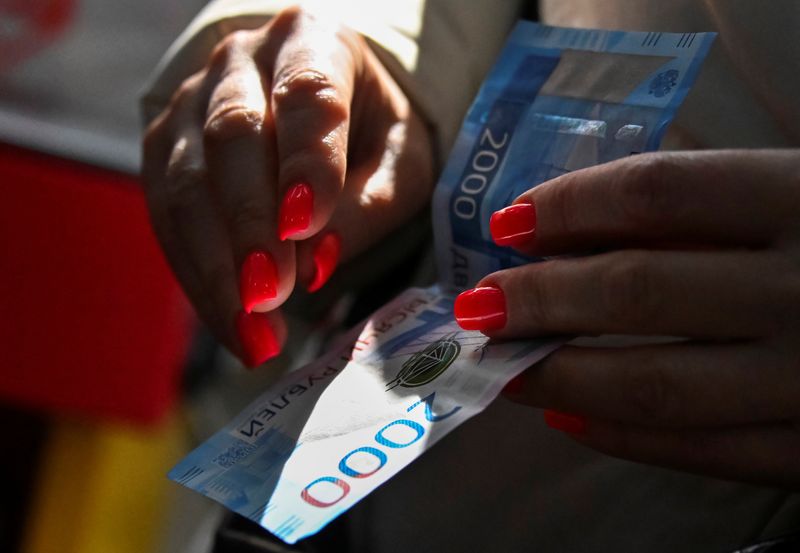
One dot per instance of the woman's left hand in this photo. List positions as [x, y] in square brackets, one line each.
[703, 246]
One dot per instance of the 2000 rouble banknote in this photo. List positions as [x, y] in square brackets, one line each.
[330, 433]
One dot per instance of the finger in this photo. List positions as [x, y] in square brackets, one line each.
[370, 206]
[174, 176]
[696, 197]
[239, 152]
[194, 237]
[262, 335]
[693, 294]
[761, 454]
[311, 92]
[675, 385]
[192, 234]
[168, 207]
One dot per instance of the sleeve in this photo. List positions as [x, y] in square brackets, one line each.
[437, 50]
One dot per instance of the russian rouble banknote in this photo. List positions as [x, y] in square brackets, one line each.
[328, 434]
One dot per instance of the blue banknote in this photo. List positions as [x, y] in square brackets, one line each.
[330, 433]
[557, 100]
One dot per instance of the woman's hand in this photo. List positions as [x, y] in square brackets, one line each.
[293, 147]
[704, 246]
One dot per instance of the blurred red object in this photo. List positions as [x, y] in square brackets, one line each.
[27, 26]
[91, 319]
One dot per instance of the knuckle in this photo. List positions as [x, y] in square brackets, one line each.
[566, 207]
[290, 15]
[629, 294]
[303, 88]
[237, 39]
[326, 158]
[184, 179]
[224, 51]
[291, 18]
[230, 123]
[219, 56]
[230, 49]
[249, 218]
[652, 393]
[187, 90]
[646, 191]
[536, 306]
[296, 81]
[184, 90]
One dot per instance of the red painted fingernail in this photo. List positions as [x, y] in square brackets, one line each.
[571, 424]
[258, 338]
[513, 225]
[296, 210]
[481, 309]
[326, 256]
[514, 386]
[258, 281]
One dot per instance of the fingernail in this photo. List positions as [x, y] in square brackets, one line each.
[295, 212]
[259, 280]
[326, 256]
[514, 386]
[258, 338]
[571, 424]
[513, 225]
[481, 309]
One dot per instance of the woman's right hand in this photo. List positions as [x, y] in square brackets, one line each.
[291, 149]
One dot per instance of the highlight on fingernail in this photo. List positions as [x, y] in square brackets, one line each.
[481, 309]
[295, 212]
[565, 422]
[258, 281]
[326, 257]
[513, 225]
[258, 338]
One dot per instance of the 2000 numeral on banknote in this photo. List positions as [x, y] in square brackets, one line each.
[311, 448]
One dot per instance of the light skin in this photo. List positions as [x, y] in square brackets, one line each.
[297, 100]
[703, 246]
[699, 245]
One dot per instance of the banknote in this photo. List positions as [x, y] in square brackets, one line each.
[557, 100]
[328, 434]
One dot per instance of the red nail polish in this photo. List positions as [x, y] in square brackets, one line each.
[258, 338]
[514, 386]
[258, 281]
[481, 309]
[296, 210]
[571, 424]
[326, 256]
[513, 225]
